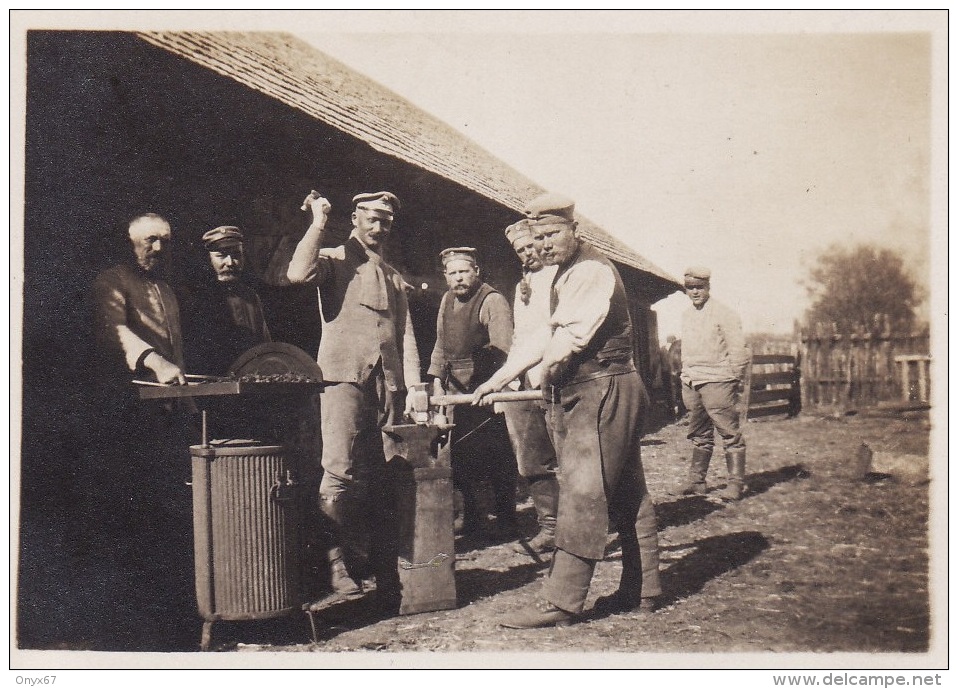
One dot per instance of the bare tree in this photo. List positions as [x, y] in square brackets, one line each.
[862, 288]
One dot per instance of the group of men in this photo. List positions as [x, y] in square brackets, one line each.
[136, 496]
[568, 333]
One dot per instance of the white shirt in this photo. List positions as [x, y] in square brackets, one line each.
[713, 345]
[534, 315]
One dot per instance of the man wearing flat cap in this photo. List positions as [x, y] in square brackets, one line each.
[526, 421]
[595, 400]
[369, 358]
[473, 334]
[714, 364]
[223, 315]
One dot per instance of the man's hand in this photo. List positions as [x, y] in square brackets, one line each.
[480, 396]
[166, 372]
[320, 207]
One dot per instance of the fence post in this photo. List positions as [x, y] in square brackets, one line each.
[746, 390]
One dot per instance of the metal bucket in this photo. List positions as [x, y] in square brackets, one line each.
[246, 532]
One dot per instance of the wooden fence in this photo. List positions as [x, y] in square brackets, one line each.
[863, 370]
[773, 386]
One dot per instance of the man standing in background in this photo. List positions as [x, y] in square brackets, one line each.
[223, 318]
[473, 335]
[526, 421]
[714, 364]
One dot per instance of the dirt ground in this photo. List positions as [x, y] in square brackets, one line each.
[824, 555]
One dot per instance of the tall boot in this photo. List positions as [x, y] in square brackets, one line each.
[698, 469]
[735, 461]
[545, 497]
[340, 581]
[335, 515]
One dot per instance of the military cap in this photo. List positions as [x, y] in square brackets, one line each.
[465, 253]
[518, 230]
[382, 201]
[550, 208]
[697, 275]
[223, 237]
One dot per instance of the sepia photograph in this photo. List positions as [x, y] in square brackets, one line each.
[459, 339]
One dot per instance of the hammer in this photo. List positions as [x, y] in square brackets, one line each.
[423, 402]
[312, 195]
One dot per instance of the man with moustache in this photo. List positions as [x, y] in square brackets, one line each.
[224, 316]
[369, 359]
[526, 421]
[595, 401]
[473, 334]
[137, 498]
[137, 315]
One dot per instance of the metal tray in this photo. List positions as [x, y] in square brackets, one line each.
[228, 387]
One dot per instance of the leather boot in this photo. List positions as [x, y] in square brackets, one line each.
[632, 586]
[541, 614]
[735, 461]
[698, 469]
[545, 497]
[340, 581]
[334, 515]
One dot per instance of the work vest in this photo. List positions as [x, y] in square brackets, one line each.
[610, 351]
[466, 343]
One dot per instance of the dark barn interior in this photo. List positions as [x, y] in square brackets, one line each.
[117, 126]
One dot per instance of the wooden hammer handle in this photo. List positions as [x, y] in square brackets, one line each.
[508, 396]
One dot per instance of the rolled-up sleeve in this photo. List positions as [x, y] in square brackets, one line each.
[496, 315]
[584, 296]
[308, 265]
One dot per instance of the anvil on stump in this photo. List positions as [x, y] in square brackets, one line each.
[420, 467]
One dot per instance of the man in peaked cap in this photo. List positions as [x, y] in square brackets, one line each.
[596, 401]
[714, 364]
[526, 421]
[369, 358]
[473, 334]
[223, 315]
[549, 207]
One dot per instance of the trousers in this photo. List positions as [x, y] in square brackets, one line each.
[596, 426]
[713, 407]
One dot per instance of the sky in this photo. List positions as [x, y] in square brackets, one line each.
[747, 142]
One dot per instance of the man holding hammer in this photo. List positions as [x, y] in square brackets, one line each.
[526, 421]
[595, 402]
[369, 358]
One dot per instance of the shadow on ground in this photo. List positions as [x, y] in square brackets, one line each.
[711, 557]
[691, 508]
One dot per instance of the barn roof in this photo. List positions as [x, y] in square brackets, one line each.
[293, 72]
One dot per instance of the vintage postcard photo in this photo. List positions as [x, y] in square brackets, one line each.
[460, 339]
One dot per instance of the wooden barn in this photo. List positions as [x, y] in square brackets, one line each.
[209, 129]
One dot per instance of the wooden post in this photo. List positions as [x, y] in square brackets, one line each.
[746, 391]
[905, 392]
[923, 380]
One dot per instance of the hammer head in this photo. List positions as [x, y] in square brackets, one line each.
[420, 403]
